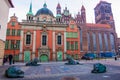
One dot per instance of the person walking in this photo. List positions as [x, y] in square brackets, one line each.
[10, 59]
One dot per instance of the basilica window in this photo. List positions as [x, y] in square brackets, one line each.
[88, 36]
[44, 40]
[94, 42]
[28, 39]
[106, 42]
[112, 42]
[100, 42]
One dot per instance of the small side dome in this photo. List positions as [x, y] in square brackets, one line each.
[58, 15]
[44, 10]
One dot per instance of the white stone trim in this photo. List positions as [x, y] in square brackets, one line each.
[34, 41]
[21, 41]
[65, 42]
[53, 41]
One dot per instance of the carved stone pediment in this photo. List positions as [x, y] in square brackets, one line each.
[44, 49]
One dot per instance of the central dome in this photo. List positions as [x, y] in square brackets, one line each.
[44, 10]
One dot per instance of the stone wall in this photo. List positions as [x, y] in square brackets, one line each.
[2, 45]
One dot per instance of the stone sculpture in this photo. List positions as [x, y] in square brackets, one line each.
[14, 72]
[32, 63]
[98, 68]
[71, 61]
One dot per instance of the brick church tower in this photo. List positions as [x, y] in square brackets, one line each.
[103, 14]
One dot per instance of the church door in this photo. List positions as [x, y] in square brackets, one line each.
[26, 56]
[59, 56]
[44, 58]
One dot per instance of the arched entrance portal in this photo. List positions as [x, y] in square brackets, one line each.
[59, 56]
[44, 58]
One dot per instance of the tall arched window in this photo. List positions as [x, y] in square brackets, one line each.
[88, 36]
[112, 42]
[100, 42]
[94, 42]
[106, 42]
[28, 39]
[44, 40]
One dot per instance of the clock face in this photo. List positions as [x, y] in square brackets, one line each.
[66, 13]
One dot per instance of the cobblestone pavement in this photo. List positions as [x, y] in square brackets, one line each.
[57, 70]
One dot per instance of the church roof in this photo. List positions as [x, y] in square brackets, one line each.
[44, 10]
[98, 25]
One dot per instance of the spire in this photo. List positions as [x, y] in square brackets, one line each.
[82, 8]
[58, 6]
[45, 5]
[30, 9]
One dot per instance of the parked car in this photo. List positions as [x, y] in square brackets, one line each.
[89, 56]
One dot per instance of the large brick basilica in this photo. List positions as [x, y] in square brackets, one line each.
[52, 38]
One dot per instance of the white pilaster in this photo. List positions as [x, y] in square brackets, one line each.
[34, 41]
[53, 41]
[64, 41]
[21, 41]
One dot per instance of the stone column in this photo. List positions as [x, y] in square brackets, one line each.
[65, 42]
[54, 56]
[21, 45]
[65, 48]
[53, 41]
[34, 45]
[65, 55]
[21, 56]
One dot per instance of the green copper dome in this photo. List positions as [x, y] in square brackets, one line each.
[44, 10]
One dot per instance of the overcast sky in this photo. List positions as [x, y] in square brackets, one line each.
[22, 7]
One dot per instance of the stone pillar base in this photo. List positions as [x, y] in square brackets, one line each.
[20, 57]
[54, 56]
[65, 56]
[33, 56]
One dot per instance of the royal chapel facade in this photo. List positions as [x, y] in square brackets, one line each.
[53, 38]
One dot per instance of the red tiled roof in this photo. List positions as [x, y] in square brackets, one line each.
[10, 1]
[98, 25]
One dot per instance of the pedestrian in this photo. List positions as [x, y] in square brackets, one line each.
[115, 58]
[4, 60]
[10, 59]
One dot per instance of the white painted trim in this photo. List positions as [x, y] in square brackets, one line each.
[34, 41]
[65, 42]
[53, 41]
[21, 41]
